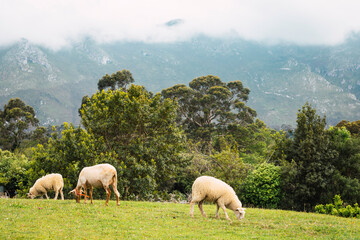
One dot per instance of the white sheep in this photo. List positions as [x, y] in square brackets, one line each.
[52, 181]
[211, 189]
[101, 175]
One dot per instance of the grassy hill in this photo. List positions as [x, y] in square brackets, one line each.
[49, 219]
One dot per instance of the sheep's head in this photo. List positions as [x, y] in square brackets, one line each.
[76, 194]
[31, 193]
[240, 213]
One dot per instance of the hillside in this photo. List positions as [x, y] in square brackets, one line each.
[44, 219]
[281, 77]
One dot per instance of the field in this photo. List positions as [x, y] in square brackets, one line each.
[49, 219]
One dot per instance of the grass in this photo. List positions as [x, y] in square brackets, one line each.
[49, 219]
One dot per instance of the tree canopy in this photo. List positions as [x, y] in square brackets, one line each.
[209, 104]
[308, 171]
[16, 122]
[120, 79]
[141, 129]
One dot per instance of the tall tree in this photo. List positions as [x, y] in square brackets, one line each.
[209, 104]
[141, 129]
[310, 158]
[17, 121]
[352, 127]
[347, 164]
[120, 79]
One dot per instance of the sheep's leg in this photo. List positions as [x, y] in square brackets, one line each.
[46, 196]
[85, 193]
[201, 208]
[114, 186]
[91, 192]
[224, 209]
[217, 210]
[108, 191]
[192, 209]
[62, 194]
[56, 194]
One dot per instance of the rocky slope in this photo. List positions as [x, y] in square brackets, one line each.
[281, 77]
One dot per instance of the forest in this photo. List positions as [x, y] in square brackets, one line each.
[160, 143]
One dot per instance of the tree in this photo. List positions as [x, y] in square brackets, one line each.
[67, 153]
[255, 142]
[352, 127]
[209, 104]
[119, 79]
[17, 121]
[13, 172]
[308, 170]
[141, 129]
[347, 164]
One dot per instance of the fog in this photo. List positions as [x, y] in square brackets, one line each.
[57, 24]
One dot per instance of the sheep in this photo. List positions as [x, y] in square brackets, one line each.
[52, 181]
[101, 175]
[211, 189]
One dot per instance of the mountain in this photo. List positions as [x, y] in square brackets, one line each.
[281, 77]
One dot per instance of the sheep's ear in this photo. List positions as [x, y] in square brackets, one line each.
[72, 191]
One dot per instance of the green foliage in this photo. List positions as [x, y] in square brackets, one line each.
[347, 164]
[66, 154]
[320, 208]
[229, 167]
[119, 79]
[209, 104]
[141, 129]
[262, 186]
[255, 142]
[338, 209]
[352, 127]
[13, 172]
[309, 162]
[16, 120]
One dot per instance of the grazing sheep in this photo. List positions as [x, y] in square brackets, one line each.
[101, 175]
[52, 181]
[210, 189]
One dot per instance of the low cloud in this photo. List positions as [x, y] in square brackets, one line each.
[57, 24]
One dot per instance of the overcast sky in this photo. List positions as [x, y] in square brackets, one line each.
[56, 23]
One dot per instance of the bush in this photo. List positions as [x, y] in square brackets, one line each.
[262, 186]
[328, 208]
[338, 208]
[320, 208]
[13, 172]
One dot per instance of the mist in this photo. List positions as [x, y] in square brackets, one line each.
[57, 24]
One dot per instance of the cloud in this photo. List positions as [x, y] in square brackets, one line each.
[58, 23]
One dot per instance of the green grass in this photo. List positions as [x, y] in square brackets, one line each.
[49, 219]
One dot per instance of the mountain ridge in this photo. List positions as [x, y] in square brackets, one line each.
[281, 77]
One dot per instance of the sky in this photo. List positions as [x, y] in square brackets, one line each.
[58, 23]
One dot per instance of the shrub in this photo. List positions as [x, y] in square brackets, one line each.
[320, 208]
[338, 208]
[328, 208]
[262, 186]
[13, 172]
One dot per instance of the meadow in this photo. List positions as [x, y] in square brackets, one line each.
[49, 219]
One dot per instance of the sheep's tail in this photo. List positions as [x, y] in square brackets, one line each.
[114, 178]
